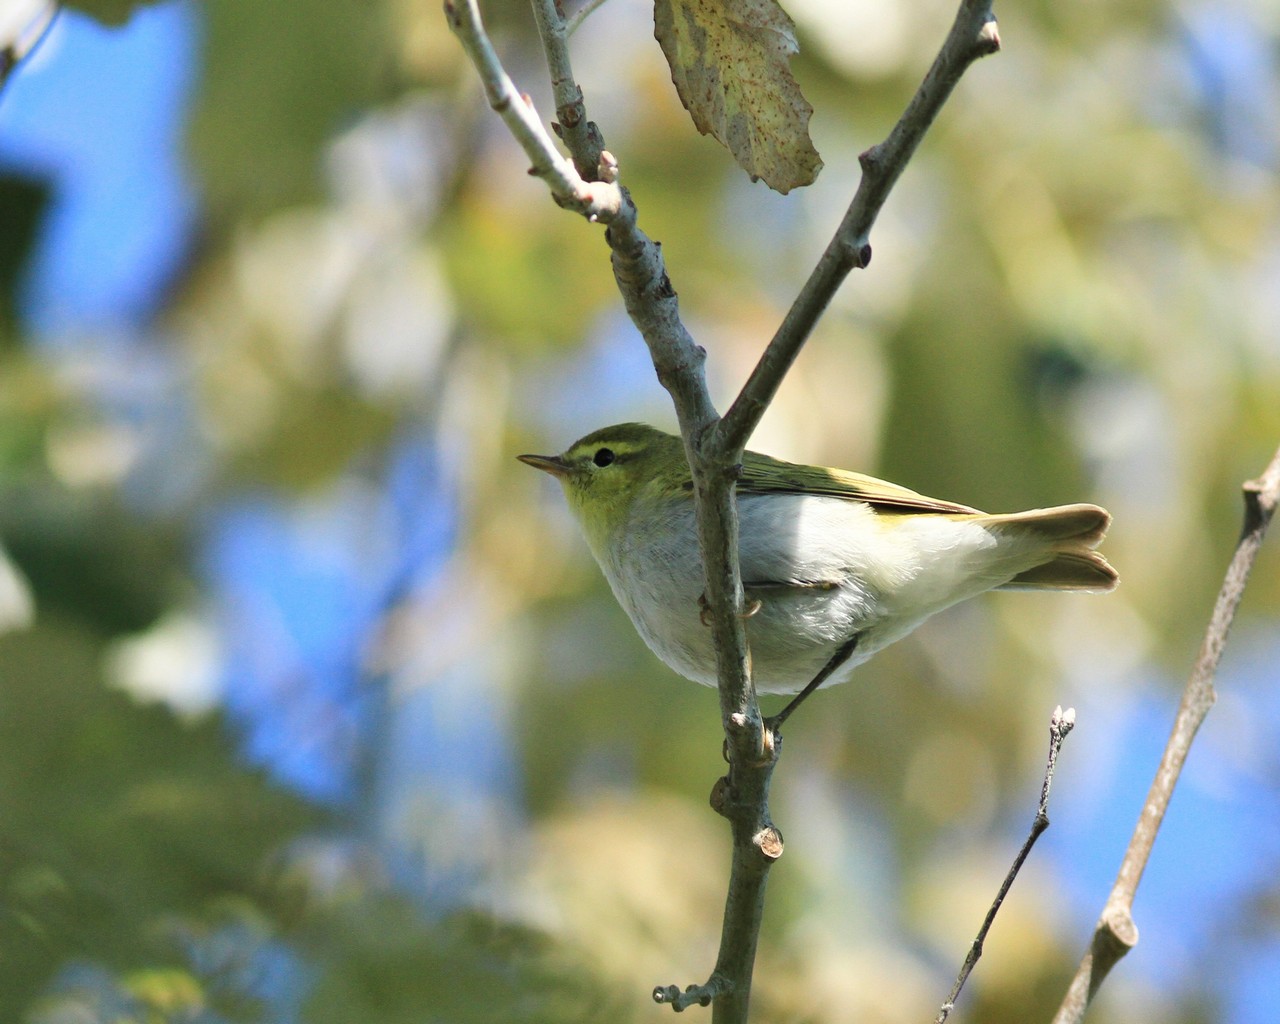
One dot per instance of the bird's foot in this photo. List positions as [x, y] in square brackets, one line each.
[704, 609]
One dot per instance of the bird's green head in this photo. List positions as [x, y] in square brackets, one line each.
[604, 473]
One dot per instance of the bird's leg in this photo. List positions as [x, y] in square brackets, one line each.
[774, 723]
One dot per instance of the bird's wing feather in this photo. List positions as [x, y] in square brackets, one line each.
[763, 474]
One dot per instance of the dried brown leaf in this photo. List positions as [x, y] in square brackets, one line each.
[731, 64]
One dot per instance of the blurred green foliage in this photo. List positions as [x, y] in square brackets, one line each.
[291, 74]
[117, 817]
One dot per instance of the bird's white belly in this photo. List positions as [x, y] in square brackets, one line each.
[814, 593]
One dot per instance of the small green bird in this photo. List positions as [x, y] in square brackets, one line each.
[835, 565]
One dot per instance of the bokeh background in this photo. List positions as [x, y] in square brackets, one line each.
[312, 705]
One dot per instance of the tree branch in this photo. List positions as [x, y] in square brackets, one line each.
[580, 135]
[1116, 933]
[652, 303]
[595, 200]
[1060, 725]
[973, 34]
[743, 794]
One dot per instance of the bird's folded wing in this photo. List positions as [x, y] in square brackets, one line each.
[763, 474]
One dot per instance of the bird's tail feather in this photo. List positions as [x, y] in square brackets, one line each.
[1068, 570]
[1072, 532]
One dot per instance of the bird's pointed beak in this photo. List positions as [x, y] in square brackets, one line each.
[552, 464]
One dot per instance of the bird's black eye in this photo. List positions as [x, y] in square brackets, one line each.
[603, 457]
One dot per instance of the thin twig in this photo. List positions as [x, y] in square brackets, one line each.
[742, 796]
[596, 200]
[692, 995]
[1116, 933]
[1060, 725]
[973, 35]
[580, 135]
[581, 14]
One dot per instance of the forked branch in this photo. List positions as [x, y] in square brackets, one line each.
[595, 200]
[713, 446]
